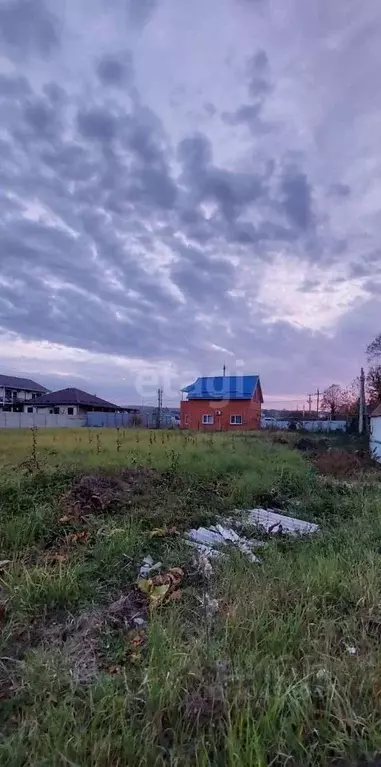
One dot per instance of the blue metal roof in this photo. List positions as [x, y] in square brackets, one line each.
[222, 387]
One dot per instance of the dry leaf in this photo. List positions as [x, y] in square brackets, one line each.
[161, 586]
[145, 585]
[176, 595]
[158, 594]
[138, 640]
[76, 537]
[65, 520]
[172, 577]
[155, 592]
[160, 532]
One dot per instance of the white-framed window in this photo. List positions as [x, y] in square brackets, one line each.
[236, 420]
[186, 419]
[29, 410]
[207, 419]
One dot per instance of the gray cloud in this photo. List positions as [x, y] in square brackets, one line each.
[27, 27]
[96, 123]
[258, 85]
[139, 12]
[129, 228]
[339, 190]
[258, 76]
[115, 70]
[297, 200]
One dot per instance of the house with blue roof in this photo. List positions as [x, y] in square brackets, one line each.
[222, 403]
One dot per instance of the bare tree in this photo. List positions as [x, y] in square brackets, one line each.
[351, 397]
[373, 386]
[373, 378]
[333, 399]
[373, 351]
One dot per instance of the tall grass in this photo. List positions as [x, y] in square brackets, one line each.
[285, 672]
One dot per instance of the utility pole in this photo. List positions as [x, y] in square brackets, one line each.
[224, 371]
[363, 421]
[159, 407]
[317, 402]
[309, 402]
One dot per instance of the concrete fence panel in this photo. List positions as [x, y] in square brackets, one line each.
[40, 420]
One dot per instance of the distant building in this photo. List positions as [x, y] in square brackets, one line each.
[15, 392]
[222, 403]
[70, 402]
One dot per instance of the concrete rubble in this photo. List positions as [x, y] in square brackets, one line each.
[148, 566]
[275, 523]
[210, 541]
[207, 540]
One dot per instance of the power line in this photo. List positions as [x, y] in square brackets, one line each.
[309, 396]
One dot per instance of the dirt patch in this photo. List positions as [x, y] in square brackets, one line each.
[337, 463]
[102, 493]
[129, 611]
[77, 638]
[304, 444]
[279, 440]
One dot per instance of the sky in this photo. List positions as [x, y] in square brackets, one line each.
[187, 185]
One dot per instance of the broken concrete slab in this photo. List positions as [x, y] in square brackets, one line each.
[274, 523]
[208, 540]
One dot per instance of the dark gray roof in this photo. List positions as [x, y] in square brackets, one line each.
[12, 382]
[73, 397]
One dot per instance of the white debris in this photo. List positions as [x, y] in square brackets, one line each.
[272, 522]
[206, 539]
[204, 564]
[140, 622]
[210, 605]
[148, 566]
[209, 540]
[351, 650]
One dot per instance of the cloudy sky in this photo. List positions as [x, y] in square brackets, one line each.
[184, 184]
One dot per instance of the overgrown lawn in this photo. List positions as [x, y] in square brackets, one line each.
[285, 669]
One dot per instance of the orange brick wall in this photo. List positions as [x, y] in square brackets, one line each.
[191, 412]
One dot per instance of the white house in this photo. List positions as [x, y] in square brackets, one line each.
[15, 392]
[375, 433]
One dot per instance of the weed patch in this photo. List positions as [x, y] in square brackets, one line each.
[272, 663]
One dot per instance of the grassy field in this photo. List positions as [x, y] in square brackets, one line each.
[286, 668]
